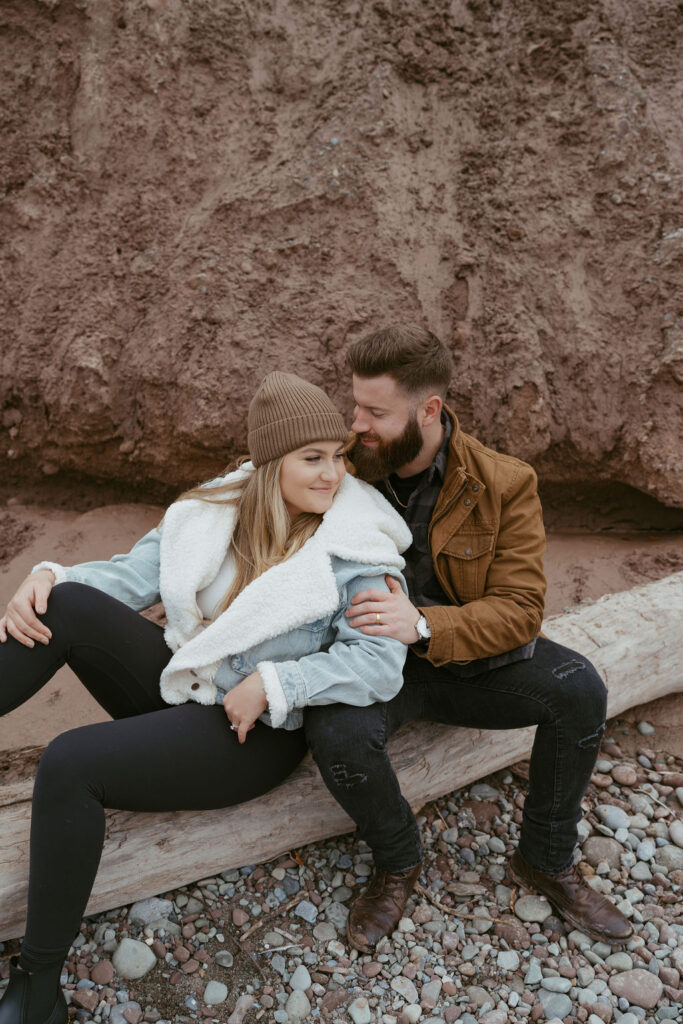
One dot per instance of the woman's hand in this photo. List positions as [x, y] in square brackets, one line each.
[245, 703]
[20, 619]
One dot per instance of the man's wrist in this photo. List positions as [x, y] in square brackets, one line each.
[422, 628]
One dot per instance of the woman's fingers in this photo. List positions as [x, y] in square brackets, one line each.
[21, 611]
[21, 627]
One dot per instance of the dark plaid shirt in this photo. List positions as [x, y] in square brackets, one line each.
[415, 498]
[420, 493]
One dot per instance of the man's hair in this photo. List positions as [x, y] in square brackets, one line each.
[413, 356]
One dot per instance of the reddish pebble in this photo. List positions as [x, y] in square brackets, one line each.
[239, 917]
[372, 969]
[159, 949]
[449, 989]
[175, 977]
[624, 775]
[102, 973]
[409, 971]
[331, 1001]
[188, 931]
[536, 1011]
[133, 1016]
[82, 972]
[191, 966]
[451, 1014]
[181, 954]
[603, 781]
[85, 998]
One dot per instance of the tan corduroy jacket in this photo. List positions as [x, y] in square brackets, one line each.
[487, 540]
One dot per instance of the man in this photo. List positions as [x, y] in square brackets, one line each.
[472, 621]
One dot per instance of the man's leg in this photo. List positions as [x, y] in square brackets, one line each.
[557, 690]
[560, 692]
[349, 745]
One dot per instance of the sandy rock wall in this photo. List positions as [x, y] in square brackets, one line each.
[195, 192]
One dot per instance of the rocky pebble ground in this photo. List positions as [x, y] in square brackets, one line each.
[267, 943]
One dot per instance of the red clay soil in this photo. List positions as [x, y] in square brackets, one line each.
[194, 194]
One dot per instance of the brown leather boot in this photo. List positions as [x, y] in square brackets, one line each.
[575, 901]
[377, 911]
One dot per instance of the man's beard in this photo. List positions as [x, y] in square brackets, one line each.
[373, 464]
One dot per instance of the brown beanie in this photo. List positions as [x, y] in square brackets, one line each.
[286, 413]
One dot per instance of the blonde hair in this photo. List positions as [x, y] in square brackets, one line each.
[263, 533]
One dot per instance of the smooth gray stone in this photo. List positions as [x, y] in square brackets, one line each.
[555, 1004]
[145, 911]
[133, 959]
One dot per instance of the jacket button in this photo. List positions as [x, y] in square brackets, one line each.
[468, 501]
[468, 551]
[195, 686]
[475, 487]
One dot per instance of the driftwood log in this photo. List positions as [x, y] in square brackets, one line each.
[633, 638]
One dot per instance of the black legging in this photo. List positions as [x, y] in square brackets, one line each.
[153, 757]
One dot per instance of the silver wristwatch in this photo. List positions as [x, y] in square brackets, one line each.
[422, 627]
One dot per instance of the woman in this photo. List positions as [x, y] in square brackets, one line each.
[255, 571]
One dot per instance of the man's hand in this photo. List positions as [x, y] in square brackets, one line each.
[397, 615]
[245, 703]
[20, 619]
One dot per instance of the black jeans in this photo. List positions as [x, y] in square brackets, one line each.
[557, 690]
[154, 757]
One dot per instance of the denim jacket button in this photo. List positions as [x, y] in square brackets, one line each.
[195, 686]
[475, 487]
[468, 501]
[468, 551]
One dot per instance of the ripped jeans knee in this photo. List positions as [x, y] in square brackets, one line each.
[347, 776]
[593, 740]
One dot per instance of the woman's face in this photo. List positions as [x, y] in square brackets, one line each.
[310, 477]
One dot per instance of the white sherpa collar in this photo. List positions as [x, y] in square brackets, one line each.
[361, 526]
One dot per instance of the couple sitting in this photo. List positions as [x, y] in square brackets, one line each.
[295, 621]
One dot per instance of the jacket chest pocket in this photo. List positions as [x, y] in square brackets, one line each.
[302, 640]
[310, 637]
[467, 558]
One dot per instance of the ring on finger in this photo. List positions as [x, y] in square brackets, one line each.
[234, 727]
[378, 619]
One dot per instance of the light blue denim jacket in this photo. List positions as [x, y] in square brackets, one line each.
[323, 661]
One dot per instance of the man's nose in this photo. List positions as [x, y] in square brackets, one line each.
[360, 423]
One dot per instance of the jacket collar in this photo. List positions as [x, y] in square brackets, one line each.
[360, 526]
[457, 479]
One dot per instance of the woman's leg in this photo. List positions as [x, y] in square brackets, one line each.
[115, 652]
[181, 758]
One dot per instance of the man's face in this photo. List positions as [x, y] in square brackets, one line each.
[385, 419]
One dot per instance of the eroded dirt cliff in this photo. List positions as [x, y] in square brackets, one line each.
[196, 192]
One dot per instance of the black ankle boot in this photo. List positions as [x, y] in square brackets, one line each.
[30, 998]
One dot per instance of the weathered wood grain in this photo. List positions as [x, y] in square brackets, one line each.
[633, 638]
